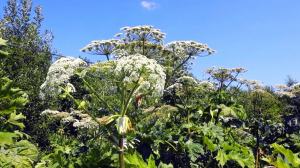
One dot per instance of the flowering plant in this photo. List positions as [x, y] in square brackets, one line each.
[59, 74]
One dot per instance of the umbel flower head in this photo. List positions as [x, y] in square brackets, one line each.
[225, 74]
[189, 48]
[187, 80]
[59, 74]
[142, 33]
[103, 47]
[138, 70]
[291, 92]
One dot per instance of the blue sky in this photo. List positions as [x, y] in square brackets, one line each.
[262, 36]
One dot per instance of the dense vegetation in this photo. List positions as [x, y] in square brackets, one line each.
[140, 108]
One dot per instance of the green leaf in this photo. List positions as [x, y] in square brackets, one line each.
[180, 106]
[222, 157]
[212, 147]
[21, 155]
[242, 155]
[190, 125]
[136, 161]
[13, 120]
[7, 138]
[2, 42]
[194, 149]
[163, 165]
[279, 162]
[151, 162]
[12, 105]
[6, 90]
[292, 158]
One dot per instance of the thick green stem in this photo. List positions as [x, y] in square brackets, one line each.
[121, 153]
[123, 112]
[182, 63]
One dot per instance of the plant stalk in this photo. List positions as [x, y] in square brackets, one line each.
[121, 153]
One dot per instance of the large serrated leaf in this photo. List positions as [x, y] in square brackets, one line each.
[12, 105]
[289, 155]
[209, 144]
[194, 149]
[7, 138]
[13, 120]
[222, 157]
[163, 165]
[21, 155]
[242, 155]
[136, 161]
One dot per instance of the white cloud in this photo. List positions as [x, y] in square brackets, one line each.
[149, 5]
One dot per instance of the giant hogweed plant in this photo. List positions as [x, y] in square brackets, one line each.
[131, 77]
[145, 40]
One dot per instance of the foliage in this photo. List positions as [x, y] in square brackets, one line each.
[21, 154]
[142, 108]
[13, 153]
[136, 161]
[290, 159]
[29, 60]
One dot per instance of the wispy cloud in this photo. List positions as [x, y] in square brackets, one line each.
[149, 5]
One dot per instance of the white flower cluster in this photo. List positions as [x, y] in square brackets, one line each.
[225, 74]
[139, 69]
[186, 80]
[142, 33]
[213, 70]
[49, 112]
[252, 84]
[64, 116]
[259, 91]
[292, 91]
[118, 53]
[295, 87]
[59, 74]
[282, 87]
[207, 86]
[174, 88]
[103, 47]
[86, 122]
[285, 93]
[189, 48]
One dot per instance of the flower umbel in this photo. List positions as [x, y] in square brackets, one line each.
[146, 73]
[59, 74]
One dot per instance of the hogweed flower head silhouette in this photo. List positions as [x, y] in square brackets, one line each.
[142, 33]
[102, 47]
